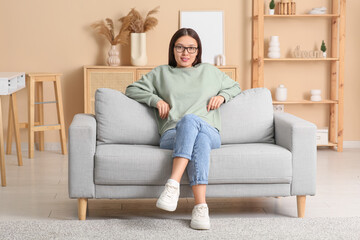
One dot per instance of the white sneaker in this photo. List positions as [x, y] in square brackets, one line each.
[169, 197]
[200, 217]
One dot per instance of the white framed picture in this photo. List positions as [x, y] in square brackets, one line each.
[210, 27]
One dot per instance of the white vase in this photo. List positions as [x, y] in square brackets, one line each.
[315, 95]
[271, 11]
[281, 93]
[274, 47]
[324, 54]
[138, 49]
[113, 59]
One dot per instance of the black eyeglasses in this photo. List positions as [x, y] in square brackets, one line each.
[181, 49]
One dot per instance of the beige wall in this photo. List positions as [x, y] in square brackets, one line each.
[54, 36]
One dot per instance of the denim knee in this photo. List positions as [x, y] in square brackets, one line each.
[188, 119]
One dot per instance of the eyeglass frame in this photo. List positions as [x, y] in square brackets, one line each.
[185, 48]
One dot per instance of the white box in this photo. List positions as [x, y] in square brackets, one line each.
[11, 82]
[322, 136]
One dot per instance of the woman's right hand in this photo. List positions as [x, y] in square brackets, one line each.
[164, 109]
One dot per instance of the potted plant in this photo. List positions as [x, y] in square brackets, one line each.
[323, 48]
[272, 7]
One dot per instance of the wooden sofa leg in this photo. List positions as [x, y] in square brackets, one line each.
[301, 200]
[82, 206]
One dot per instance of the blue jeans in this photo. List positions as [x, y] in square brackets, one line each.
[192, 138]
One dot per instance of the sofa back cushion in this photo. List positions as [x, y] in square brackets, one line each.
[248, 118]
[123, 120]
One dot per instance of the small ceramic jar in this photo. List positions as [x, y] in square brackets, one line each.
[315, 95]
[281, 93]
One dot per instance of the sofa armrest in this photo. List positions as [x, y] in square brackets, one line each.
[82, 146]
[299, 137]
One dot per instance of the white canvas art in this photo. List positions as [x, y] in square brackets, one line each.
[210, 27]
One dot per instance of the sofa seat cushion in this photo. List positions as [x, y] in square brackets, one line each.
[251, 163]
[119, 164]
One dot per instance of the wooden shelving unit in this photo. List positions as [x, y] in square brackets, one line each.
[299, 59]
[336, 101]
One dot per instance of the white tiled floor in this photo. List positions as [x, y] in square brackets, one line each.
[38, 190]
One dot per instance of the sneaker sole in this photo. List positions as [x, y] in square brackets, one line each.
[200, 226]
[165, 206]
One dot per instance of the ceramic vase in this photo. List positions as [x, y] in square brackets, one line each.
[324, 54]
[281, 93]
[113, 59]
[274, 47]
[271, 11]
[315, 95]
[138, 49]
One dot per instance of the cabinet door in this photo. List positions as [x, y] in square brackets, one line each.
[117, 79]
[231, 72]
[141, 72]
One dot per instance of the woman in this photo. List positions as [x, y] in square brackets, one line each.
[186, 95]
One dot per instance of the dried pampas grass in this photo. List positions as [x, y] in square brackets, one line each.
[135, 23]
[131, 23]
[106, 28]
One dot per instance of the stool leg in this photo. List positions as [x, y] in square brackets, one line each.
[16, 127]
[2, 153]
[31, 101]
[59, 105]
[10, 129]
[40, 113]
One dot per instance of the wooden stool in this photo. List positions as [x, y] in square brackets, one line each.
[35, 80]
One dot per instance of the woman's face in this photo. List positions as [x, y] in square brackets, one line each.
[185, 57]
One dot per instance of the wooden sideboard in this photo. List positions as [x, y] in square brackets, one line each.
[119, 78]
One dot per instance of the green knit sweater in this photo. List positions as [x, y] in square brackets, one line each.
[186, 90]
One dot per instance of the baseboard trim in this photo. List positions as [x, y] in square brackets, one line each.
[351, 144]
[50, 146]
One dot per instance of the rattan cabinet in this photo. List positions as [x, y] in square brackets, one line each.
[120, 77]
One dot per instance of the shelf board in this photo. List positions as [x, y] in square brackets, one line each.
[292, 102]
[299, 59]
[301, 15]
[330, 144]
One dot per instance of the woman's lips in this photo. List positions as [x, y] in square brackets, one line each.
[185, 59]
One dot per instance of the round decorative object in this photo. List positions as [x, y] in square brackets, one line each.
[274, 47]
[138, 49]
[281, 93]
[113, 59]
[315, 95]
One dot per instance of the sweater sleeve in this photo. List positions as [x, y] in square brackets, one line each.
[229, 88]
[144, 90]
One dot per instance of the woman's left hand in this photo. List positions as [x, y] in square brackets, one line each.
[215, 102]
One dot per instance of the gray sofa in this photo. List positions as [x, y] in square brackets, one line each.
[116, 154]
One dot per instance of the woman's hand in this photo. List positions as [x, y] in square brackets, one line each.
[215, 102]
[164, 109]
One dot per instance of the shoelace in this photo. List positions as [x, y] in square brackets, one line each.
[170, 191]
[200, 211]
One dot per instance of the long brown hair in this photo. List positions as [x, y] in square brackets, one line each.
[184, 32]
